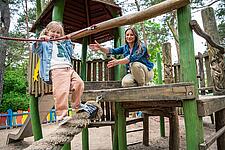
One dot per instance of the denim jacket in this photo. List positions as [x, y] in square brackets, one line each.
[44, 51]
[136, 55]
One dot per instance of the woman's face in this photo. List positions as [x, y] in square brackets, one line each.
[54, 33]
[130, 37]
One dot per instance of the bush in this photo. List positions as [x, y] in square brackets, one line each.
[14, 101]
[14, 90]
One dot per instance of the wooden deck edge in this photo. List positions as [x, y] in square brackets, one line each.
[210, 104]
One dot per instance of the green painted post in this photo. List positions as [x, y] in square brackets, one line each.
[57, 15]
[117, 42]
[193, 123]
[34, 112]
[38, 8]
[85, 137]
[66, 146]
[83, 58]
[159, 70]
[35, 119]
[122, 138]
[115, 133]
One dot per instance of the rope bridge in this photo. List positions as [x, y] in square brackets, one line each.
[65, 132]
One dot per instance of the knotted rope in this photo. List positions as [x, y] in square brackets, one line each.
[65, 133]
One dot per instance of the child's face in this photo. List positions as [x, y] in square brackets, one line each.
[54, 34]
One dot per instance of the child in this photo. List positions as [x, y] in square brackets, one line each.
[56, 68]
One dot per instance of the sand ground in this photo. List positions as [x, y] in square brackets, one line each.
[100, 138]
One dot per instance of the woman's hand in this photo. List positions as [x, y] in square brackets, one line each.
[113, 62]
[95, 47]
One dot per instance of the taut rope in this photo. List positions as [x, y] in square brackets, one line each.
[56, 39]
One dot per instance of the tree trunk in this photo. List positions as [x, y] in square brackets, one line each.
[4, 29]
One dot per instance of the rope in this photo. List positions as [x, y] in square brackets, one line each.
[29, 40]
[56, 39]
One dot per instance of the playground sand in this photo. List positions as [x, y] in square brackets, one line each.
[100, 138]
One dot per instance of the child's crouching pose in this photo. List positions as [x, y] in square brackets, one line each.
[56, 68]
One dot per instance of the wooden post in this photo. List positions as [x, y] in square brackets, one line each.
[174, 138]
[160, 81]
[193, 124]
[35, 118]
[85, 137]
[146, 129]
[57, 15]
[201, 72]
[167, 63]
[216, 60]
[117, 43]
[122, 139]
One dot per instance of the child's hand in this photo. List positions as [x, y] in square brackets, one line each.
[44, 37]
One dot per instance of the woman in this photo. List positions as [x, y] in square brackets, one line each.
[139, 68]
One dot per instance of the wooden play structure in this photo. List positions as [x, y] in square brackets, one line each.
[116, 101]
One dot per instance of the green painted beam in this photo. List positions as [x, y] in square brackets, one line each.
[193, 123]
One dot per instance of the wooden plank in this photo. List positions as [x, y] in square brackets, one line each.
[100, 71]
[138, 106]
[176, 92]
[210, 104]
[88, 71]
[98, 85]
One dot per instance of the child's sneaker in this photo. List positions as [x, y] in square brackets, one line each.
[62, 120]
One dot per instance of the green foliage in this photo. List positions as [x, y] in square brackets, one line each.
[14, 92]
[15, 101]
[156, 35]
[15, 80]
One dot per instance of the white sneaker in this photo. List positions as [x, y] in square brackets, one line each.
[63, 120]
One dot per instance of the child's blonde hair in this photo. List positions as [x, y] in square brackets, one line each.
[53, 25]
